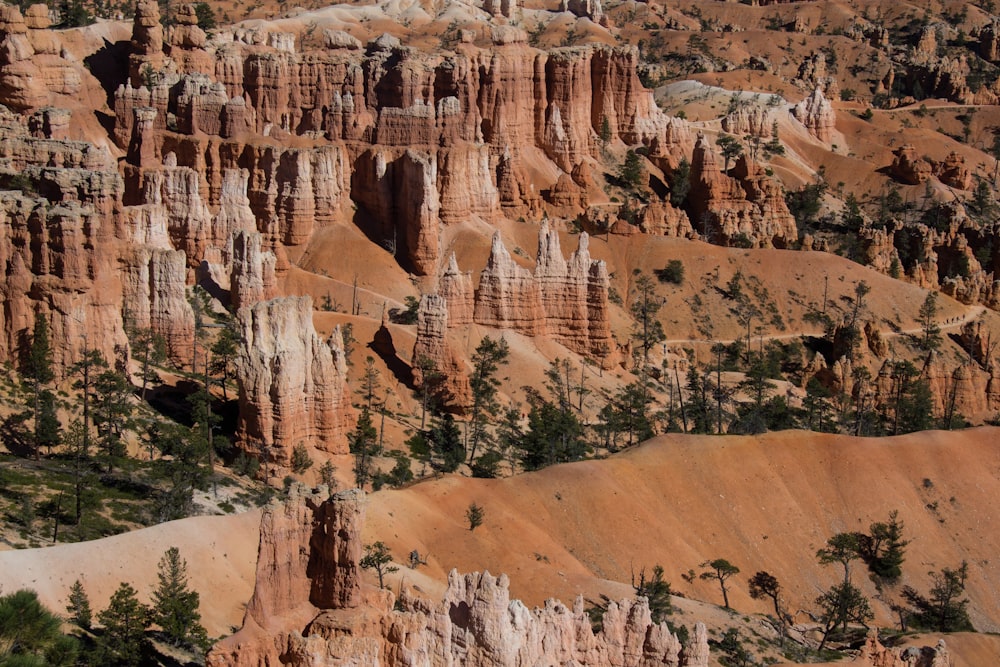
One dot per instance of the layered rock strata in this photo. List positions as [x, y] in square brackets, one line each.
[566, 300]
[292, 383]
[309, 607]
[747, 207]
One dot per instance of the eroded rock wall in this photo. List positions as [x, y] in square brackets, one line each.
[309, 607]
[292, 383]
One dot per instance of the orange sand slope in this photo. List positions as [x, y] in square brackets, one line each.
[221, 552]
[762, 502]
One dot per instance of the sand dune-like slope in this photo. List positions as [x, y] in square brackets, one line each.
[763, 502]
[221, 552]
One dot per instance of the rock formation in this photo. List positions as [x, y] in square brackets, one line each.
[451, 378]
[875, 654]
[309, 607]
[748, 207]
[252, 278]
[60, 251]
[565, 300]
[146, 52]
[816, 113]
[32, 68]
[508, 296]
[291, 382]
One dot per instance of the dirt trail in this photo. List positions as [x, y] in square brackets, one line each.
[972, 313]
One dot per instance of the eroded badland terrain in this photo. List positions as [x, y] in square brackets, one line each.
[684, 313]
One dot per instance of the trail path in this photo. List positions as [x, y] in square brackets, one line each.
[971, 313]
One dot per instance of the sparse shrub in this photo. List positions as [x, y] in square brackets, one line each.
[657, 592]
[475, 514]
[378, 557]
[673, 272]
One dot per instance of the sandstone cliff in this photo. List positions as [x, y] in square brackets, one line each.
[291, 383]
[309, 607]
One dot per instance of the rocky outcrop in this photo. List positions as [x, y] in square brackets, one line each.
[508, 296]
[32, 68]
[292, 383]
[752, 120]
[456, 289]
[59, 248]
[505, 8]
[565, 300]
[746, 208]
[591, 9]
[252, 274]
[402, 195]
[953, 172]
[989, 41]
[816, 114]
[449, 377]
[155, 298]
[146, 50]
[309, 609]
[875, 654]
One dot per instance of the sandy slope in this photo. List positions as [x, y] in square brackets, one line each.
[762, 502]
[221, 552]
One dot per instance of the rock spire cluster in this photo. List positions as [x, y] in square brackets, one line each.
[310, 608]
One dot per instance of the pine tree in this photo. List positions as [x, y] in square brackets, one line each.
[842, 604]
[486, 361]
[362, 442]
[38, 370]
[630, 172]
[647, 330]
[79, 606]
[730, 147]
[224, 352]
[29, 634]
[378, 557]
[175, 606]
[721, 570]
[149, 349]
[680, 183]
[125, 622]
[657, 592]
[113, 414]
[928, 323]
[446, 442]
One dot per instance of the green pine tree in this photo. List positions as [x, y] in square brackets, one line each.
[125, 622]
[175, 605]
[79, 606]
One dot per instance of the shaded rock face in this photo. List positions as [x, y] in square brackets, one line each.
[292, 384]
[309, 608]
[746, 208]
[402, 195]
